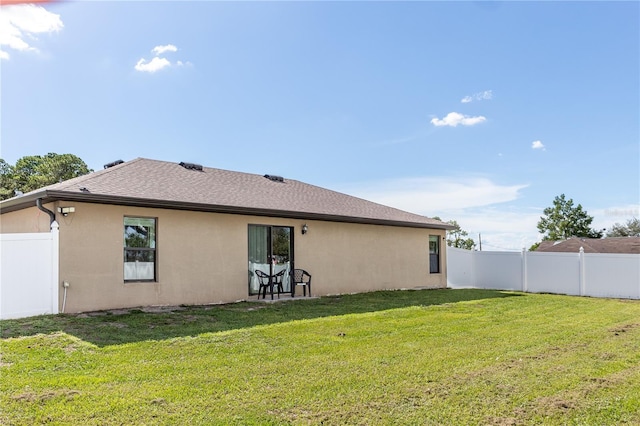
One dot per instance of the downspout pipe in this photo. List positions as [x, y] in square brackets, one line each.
[51, 214]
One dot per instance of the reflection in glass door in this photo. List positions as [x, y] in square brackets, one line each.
[271, 251]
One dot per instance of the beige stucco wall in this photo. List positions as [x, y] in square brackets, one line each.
[27, 220]
[202, 257]
[345, 258]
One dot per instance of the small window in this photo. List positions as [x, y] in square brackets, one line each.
[434, 254]
[139, 249]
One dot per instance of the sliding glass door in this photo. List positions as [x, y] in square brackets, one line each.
[271, 251]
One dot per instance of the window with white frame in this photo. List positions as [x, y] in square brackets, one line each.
[139, 249]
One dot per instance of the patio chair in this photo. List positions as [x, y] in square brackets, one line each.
[278, 281]
[301, 278]
[265, 282]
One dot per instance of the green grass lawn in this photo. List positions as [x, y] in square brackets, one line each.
[403, 357]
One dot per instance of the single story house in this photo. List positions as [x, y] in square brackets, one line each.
[147, 232]
[629, 245]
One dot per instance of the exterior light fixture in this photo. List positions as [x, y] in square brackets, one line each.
[66, 210]
[305, 229]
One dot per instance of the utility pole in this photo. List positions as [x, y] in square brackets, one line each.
[480, 240]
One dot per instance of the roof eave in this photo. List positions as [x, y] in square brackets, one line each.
[48, 196]
[23, 201]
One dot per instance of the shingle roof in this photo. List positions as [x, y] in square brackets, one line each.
[593, 245]
[153, 183]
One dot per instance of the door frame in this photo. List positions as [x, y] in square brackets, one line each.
[270, 255]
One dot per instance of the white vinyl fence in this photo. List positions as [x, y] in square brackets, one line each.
[29, 274]
[579, 274]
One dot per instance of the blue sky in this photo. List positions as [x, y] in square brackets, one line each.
[481, 112]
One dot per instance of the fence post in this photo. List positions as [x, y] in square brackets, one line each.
[55, 266]
[474, 276]
[525, 286]
[581, 276]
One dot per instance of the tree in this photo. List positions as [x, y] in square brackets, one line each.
[457, 237]
[564, 220]
[630, 229]
[534, 246]
[281, 238]
[35, 171]
[7, 186]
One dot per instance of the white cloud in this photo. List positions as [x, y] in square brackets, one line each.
[504, 228]
[159, 50]
[426, 195]
[486, 95]
[20, 23]
[622, 212]
[479, 205]
[471, 201]
[607, 217]
[453, 119]
[538, 145]
[157, 62]
[153, 65]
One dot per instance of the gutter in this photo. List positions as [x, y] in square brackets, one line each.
[217, 208]
[52, 215]
[24, 201]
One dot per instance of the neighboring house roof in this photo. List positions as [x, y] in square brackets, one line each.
[151, 183]
[593, 245]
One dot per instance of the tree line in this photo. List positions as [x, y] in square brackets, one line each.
[36, 171]
[561, 221]
[565, 220]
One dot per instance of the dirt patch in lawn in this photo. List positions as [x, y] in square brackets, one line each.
[114, 325]
[125, 311]
[624, 328]
[502, 421]
[4, 364]
[68, 394]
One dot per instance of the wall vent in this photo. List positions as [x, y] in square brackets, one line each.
[275, 178]
[191, 166]
[113, 163]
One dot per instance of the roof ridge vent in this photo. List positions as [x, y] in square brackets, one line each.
[113, 163]
[191, 166]
[275, 178]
